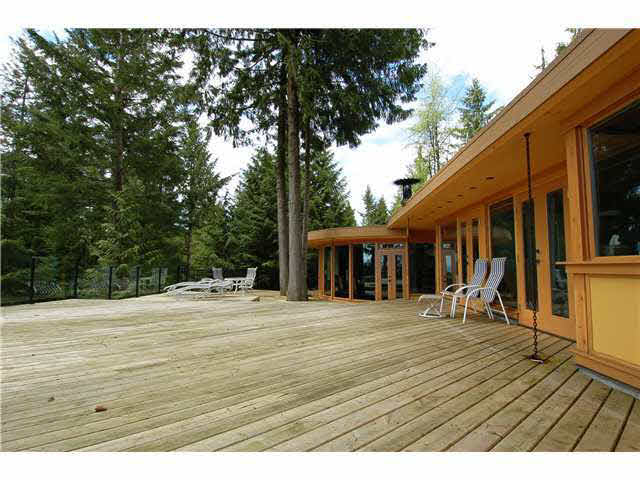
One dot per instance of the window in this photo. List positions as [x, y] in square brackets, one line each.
[341, 272]
[475, 240]
[463, 249]
[327, 271]
[422, 268]
[364, 273]
[399, 290]
[449, 254]
[384, 276]
[615, 159]
[557, 253]
[503, 245]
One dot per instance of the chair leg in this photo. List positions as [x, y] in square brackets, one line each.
[487, 307]
[466, 305]
[452, 313]
[506, 319]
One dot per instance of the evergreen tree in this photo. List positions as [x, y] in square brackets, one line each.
[200, 183]
[254, 217]
[375, 210]
[370, 203]
[92, 123]
[474, 112]
[339, 84]
[329, 206]
[381, 213]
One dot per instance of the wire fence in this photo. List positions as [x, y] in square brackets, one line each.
[37, 279]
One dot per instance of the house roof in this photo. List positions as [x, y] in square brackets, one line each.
[494, 159]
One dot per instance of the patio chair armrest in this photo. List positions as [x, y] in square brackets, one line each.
[461, 289]
[479, 289]
[452, 285]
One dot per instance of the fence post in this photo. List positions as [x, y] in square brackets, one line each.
[110, 280]
[159, 278]
[138, 281]
[75, 280]
[32, 279]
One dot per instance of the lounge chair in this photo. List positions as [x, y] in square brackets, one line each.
[489, 292]
[456, 291]
[217, 273]
[246, 283]
[479, 273]
[176, 286]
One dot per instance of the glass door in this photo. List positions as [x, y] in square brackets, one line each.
[538, 271]
[390, 271]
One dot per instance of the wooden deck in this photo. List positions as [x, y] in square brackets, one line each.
[272, 375]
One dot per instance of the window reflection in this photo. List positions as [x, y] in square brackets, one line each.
[341, 272]
[364, 275]
[503, 245]
[615, 156]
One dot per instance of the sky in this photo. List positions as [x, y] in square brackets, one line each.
[502, 58]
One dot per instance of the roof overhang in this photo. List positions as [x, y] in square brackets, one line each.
[595, 62]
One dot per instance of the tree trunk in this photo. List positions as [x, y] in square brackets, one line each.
[305, 202]
[295, 290]
[281, 187]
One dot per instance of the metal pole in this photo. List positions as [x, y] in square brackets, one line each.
[533, 264]
[110, 280]
[75, 280]
[159, 279]
[32, 279]
[138, 281]
[178, 274]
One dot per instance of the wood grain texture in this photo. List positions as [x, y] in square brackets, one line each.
[273, 375]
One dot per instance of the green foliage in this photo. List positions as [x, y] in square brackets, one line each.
[562, 46]
[375, 210]
[433, 133]
[474, 111]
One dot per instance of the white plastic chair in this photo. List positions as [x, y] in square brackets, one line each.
[489, 292]
[479, 272]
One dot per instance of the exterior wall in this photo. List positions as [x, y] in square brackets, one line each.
[606, 290]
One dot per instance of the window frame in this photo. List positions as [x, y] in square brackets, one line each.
[586, 160]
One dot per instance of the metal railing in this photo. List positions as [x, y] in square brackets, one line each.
[38, 279]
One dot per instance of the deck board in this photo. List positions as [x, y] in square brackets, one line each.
[273, 375]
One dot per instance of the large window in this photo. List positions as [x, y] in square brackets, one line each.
[341, 272]
[449, 254]
[463, 250]
[557, 253]
[615, 156]
[422, 268]
[364, 273]
[503, 245]
[327, 271]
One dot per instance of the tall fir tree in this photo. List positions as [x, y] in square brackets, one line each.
[474, 112]
[94, 143]
[375, 209]
[200, 183]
